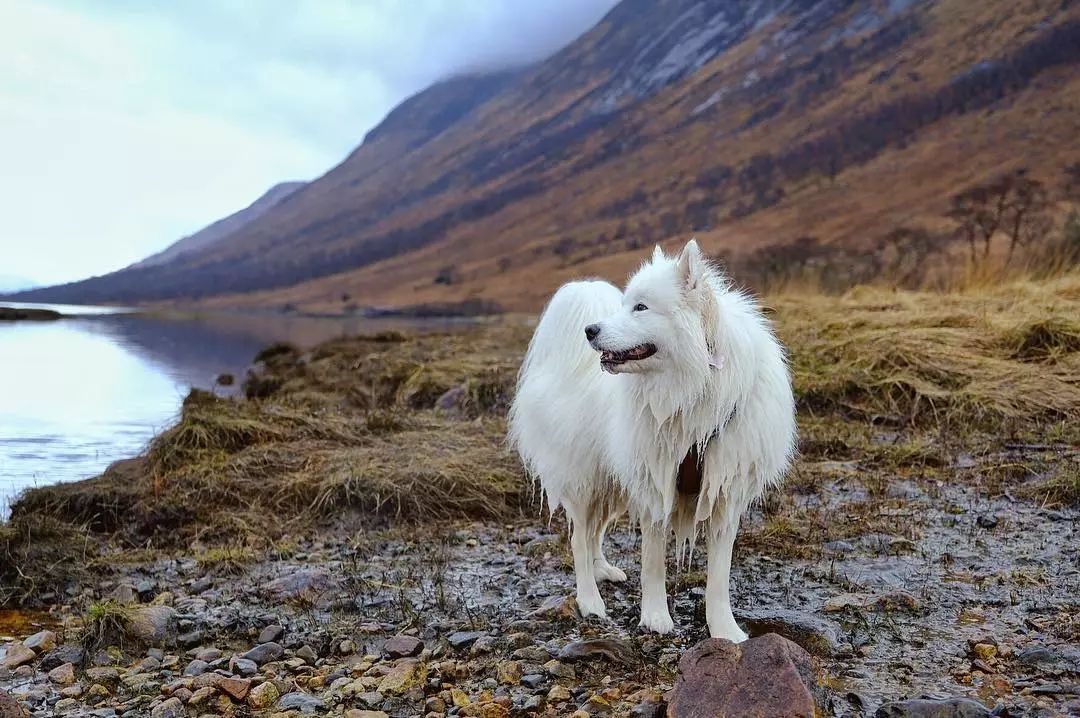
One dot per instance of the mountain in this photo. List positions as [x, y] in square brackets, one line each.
[749, 123]
[210, 235]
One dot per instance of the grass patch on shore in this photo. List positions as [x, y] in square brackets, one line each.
[989, 358]
[411, 428]
[349, 426]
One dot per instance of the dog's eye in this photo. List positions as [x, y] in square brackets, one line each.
[639, 307]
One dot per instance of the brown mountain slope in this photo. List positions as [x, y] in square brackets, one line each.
[746, 123]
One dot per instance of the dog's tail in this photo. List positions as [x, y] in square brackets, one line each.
[558, 368]
[559, 343]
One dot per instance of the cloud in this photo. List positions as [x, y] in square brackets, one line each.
[128, 124]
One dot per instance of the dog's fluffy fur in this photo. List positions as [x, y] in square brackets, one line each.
[687, 363]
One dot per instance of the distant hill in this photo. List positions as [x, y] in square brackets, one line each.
[748, 124]
[210, 235]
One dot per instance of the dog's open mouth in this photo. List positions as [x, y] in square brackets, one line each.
[609, 359]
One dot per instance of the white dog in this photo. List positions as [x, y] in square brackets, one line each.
[688, 416]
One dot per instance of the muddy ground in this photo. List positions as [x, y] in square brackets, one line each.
[891, 614]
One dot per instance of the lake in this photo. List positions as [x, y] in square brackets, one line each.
[81, 392]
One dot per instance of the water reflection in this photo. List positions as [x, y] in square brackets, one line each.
[79, 393]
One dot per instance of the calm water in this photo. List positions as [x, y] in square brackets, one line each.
[78, 393]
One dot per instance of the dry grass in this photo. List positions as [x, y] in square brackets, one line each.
[350, 425]
[39, 556]
[105, 625]
[975, 358]
[890, 383]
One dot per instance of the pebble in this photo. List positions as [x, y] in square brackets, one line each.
[402, 646]
[933, 708]
[558, 694]
[67, 653]
[196, 668]
[303, 702]
[265, 653]
[463, 639]
[263, 696]
[63, 675]
[271, 634]
[170, 708]
[17, 655]
[243, 666]
[41, 642]
[556, 608]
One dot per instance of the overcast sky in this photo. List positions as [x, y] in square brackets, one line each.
[126, 124]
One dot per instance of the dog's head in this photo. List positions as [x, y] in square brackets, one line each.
[668, 318]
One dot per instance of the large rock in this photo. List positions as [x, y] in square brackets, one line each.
[720, 678]
[819, 636]
[152, 625]
[933, 708]
[9, 707]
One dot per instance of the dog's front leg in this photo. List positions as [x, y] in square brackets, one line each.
[717, 597]
[581, 544]
[654, 608]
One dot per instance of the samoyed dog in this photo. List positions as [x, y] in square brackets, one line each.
[670, 400]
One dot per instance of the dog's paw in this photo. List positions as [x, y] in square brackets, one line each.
[730, 631]
[607, 572]
[657, 621]
[590, 604]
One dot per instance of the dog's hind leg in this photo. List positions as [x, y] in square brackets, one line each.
[717, 596]
[604, 570]
[582, 544]
[654, 608]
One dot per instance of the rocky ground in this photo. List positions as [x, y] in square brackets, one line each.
[965, 596]
[354, 539]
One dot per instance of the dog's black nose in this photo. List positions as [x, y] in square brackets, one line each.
[592, 331]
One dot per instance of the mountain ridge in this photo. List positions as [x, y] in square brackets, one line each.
[222, 228]
[739, 122]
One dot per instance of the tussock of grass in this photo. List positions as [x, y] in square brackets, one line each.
[225, 559]
[105, 625]
[40, 555]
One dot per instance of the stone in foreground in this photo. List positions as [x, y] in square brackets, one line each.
[9, 707]
[764, 676]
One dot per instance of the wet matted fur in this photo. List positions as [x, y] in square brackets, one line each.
[670, 399]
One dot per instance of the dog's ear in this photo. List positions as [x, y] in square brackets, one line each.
[691, 265]
[657, 253]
